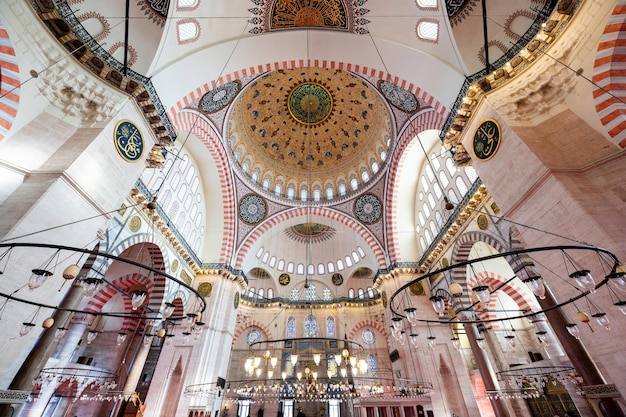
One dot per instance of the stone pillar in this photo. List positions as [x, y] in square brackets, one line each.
[485, 369]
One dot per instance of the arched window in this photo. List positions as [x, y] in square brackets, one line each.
[371, 364]
[330, 326]
[370, 292]
[351, 293]
[270, 293]
[310, 326]
[251, 292]
[361, 293]
[428, 30]
[311, 294]
[187, 30]
[291, 327]
[260, 294]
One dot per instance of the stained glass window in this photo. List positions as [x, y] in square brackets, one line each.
[294, 295]
[368, 336]
[326, 294]
[291, 327]
[371, 363]
[330, 326]
[310, 293]
[253, 336]
[310, 326]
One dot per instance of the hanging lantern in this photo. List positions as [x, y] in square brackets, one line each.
[511, 340]
[283, 375]
[26, 328]
[619, 281]
[537, 286]
[481, 343]
[60, 332]
[456, 343]
[139, 296]
[37, 278]
[121, 337]
[602, 320]
[584, 280]
[583, 317]
[168, 310]
[482, 293]
[439, 304]
[257, 361]
[338, 359]
[411, 316]
[431, 342]
[71, 271]
[91, 286]
[396, 322]
[621, 305]
[270, 374]
[91, 336]
[317, 357]
[257, 372]
[294, 359]
[414, 339]
[573, 329]
[273, 361]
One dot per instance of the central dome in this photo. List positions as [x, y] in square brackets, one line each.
[309, 133]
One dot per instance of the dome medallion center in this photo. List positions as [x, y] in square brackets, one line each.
[310, 103]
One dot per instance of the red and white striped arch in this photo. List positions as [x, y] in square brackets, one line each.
[325, 212]
[374, 325]
[520, 294]
[193, 122]
[609, 75]
[316, 63]
[424, 121]
[108, 291]
[253, 323]
[9, 83]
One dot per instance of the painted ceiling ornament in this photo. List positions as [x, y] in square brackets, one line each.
[156, 10]
[368, 208]
[284, 279]
[219, 97]
[310, 232]
[458, 10]
[337, 279]
[399, 97]
[252, 208]
[310, 103]
[344, 15]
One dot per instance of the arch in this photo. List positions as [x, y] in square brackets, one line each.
[278, 218]
[10, 98]
[608, 72]
[316, 63]
[253, 323]
[369, 323]
[198, 125]
[424, 121]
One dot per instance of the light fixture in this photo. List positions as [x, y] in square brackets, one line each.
[294, 359]
[619, 281]
[602, 320]
[584, 280]
[168, 310]
[456, 343]
[413, 337]
[573, 329]
[138, 297]
[273, 361]
[411, 316]
[431, 342]
[91, 336]
[121, 337]
[92, 285]
[37, 278]
[439, 304]
[482, 293]
[481, 343]
[316, 358]
[535, 283]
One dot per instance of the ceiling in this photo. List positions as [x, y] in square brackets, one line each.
[309, 100]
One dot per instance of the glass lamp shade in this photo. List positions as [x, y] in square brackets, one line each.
[621, 305]
[338, 359]
[168, 310]
[121, 336]
[482, 293]
[603, 320]
[543, 336]
[37, 278]
[344, 372]
[270, 374]
[60, 332]
[257, 361]
[329, 373]
[362, 366]
[411, 316]
[92, 285]
[191, 318]
[299, 375]
[455, 289]
[413, 337]
[396, 322]
[619, 281]
[283, 375]
[273, 361]
[481, 343]
[431, 342]
[355, 371]
[26, 328]
[353, 361]
[138, 298]
[257, 372]
[456, 343]
[293, 359]
[536, 286]
[511, 340]
[249, 363]
[572, 328]
[315, 375]
[91, 336]
[317, 357]
[439, 304]
[584, 280]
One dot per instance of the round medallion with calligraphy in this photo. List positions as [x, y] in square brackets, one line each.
[236, 301]
[310, 103]
[128, 140]
[219, 97]
[482, 221]
[284, 279]
[205, 289]
[337, 279]
[487, 140]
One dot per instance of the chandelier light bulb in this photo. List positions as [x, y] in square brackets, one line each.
[299, 375]
[411, 316]
[317, 357]
[37, 278]
[353, 361]
[344, 372]
[257, 361]
[584, 280]
[121, 337]
[329, 373]
[139, 296]
[283, 375]
[257, 372]
[293, 359]
[413, 337]
[270, 374]
[482, 293]
[91, 336]
[603, 320]
[273, 361]
[396, 322]
[338, 359]
[26, 328]
[572, 328]
[168, 310]
[537, 286]
[315, 375]
[355, 371]
[618, 280]
[439, 304]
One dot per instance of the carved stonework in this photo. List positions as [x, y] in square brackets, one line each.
[601, 391]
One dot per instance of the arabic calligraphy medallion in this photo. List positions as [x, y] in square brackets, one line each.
[128, 140]
[487, 140]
